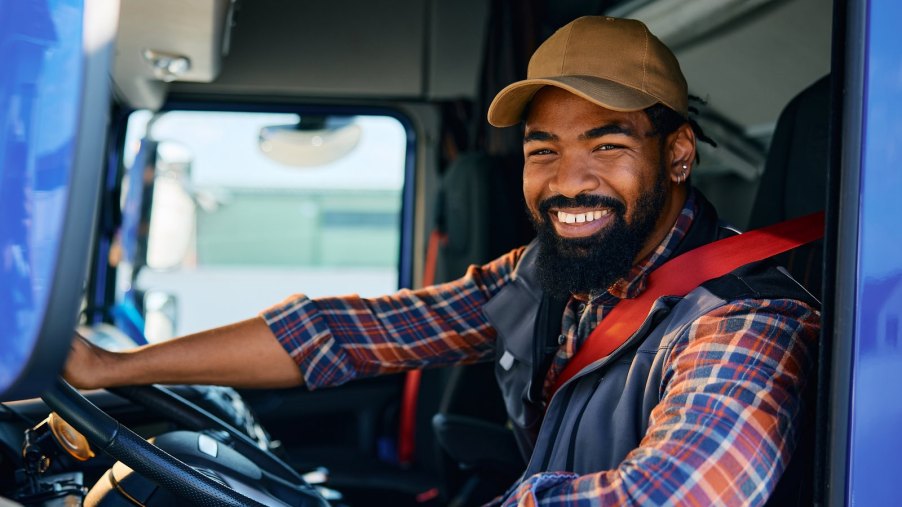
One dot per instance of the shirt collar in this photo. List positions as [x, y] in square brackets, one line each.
[633, 284]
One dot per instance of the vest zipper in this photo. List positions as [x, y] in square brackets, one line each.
[557, 426]
[579, 418]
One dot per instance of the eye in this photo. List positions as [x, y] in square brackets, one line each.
[607, 147]
[540, 152]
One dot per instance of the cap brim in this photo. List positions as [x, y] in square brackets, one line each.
[507, 107]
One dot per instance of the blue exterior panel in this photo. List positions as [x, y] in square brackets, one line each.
[875, 440]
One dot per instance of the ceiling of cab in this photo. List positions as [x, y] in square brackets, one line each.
[746, 57]
[749, 67]
[409, 49]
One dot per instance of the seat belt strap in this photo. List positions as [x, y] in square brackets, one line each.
[682, 274]
[407, 424]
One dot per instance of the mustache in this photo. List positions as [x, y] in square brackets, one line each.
[582, 201]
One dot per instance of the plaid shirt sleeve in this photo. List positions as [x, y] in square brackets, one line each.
[334, 340]
[726, 425]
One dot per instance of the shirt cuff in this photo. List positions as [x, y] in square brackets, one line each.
[527, 493]
[299, 326]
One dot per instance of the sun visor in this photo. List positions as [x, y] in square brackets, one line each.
[168, 40]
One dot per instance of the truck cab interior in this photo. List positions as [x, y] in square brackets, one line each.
[223, 155]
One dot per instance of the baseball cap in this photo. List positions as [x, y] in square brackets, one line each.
[615, 63]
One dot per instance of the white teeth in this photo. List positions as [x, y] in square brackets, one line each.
[579, 218]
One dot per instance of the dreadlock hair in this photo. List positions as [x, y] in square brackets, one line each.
[665, 121]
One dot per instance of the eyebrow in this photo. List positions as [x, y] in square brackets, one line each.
[610, 128]
[539, 135]
[603, 130]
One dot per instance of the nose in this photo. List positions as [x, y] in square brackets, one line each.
[573, 176]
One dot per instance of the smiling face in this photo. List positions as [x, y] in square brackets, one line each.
[603, 190]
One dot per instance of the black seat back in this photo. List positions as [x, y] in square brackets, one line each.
[794, 182]
[481, 211]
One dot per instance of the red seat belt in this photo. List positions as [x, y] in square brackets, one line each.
[408, 414]
[682, 274]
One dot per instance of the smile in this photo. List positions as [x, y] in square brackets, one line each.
[579, 218]
[578, 223]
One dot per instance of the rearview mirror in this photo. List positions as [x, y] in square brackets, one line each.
[313, 141]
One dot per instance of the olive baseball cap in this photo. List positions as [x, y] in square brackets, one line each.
[615, 63]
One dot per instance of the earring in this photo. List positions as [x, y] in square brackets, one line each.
[682, 177]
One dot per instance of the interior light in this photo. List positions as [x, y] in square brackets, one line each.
[167, 66]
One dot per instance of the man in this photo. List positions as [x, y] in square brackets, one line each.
[700, 406]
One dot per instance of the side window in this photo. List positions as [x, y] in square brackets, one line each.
[244, 209]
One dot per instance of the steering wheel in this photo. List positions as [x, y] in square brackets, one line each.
[140, 455]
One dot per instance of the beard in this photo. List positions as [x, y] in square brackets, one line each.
[569, 266]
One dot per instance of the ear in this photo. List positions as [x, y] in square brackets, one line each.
[679, 153]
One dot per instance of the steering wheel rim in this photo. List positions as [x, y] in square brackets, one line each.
[184, 413]
[140, 455]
